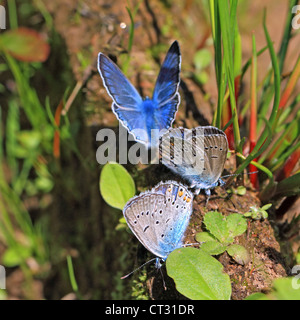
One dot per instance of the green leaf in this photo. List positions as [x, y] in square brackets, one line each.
[209, 243]
[116, 185]
[238, 253]
[213, 247]
[13, 256]
[282, 289]
[285, 289]
[197, 275]
[29, 139]
[289, 186]
[216, 224]
[257, 296]
[266, 206]
[25, 44]
[236, 224]
[202, 59]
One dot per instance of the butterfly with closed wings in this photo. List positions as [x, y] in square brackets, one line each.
[198, 155]
[159, 218]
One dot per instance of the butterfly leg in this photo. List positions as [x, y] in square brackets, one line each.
[197, 191]
[208, 194]
[221, 182]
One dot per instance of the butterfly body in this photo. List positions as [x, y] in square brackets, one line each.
[138, 115]
[159, 217]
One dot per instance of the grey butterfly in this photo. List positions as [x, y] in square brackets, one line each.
[198, 155]
[159, 217]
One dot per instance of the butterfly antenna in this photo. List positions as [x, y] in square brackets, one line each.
[127, 275]
[237, 174]
[234, 175]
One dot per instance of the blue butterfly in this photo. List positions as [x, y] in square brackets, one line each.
[159, 218]
[198, 155]
[139, 115]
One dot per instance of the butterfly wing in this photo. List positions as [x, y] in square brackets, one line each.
[165, 96]
[127, 103]
[159, 217]
[198, 155]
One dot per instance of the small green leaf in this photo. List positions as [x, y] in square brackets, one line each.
[213, 247]
[202, 59]
[241, 190]
[238, 253]
[215, 222]
[201, 77]
[264, 214]
[236, 224]
[266, 206]
[15, 255]
[29, 139]
[116, 185]
[204, 237]
[209, 243]
[197, 275]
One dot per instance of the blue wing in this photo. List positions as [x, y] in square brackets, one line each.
[165, 96]
[167, 82]
[123, 93]
[127, 103]
[141, 116]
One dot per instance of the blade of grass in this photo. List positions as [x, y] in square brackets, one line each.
[289, 165]
[286, 35]
[226, 21]
[72, 274]
[290, 85]
[265, 137]
[281, 160]
[253, 111]
[290, 132]
[12, 12]
[219, 65]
